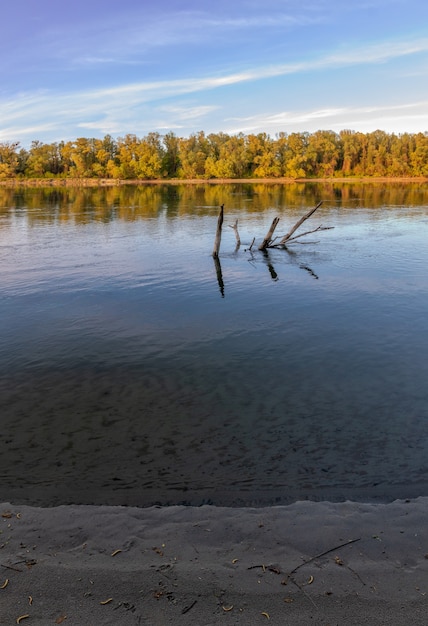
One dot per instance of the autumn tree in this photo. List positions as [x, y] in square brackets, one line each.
[294, 155]
[193, 153]
[323, 153]
[419, 157]
[352, 148]
[43, 160]
[8, 159]
[262, 156]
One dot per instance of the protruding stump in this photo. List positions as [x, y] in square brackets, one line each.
[218, 233]
[266, 241]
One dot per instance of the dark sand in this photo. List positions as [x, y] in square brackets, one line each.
[94, 566]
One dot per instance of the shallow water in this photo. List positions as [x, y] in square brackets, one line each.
[134, 370]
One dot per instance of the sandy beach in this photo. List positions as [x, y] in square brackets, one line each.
[304, 563]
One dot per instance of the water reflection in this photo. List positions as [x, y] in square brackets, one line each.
[82, 205]
[134, 369]
[271, 268]
[219, 273]
[311, 272]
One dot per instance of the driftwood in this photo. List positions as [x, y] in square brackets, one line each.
[218, 233]
[268, 241]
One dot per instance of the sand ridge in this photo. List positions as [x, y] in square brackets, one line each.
[305, 563]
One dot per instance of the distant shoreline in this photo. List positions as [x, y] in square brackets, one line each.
[110, 182]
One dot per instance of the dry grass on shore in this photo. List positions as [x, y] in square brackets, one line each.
[110, 182]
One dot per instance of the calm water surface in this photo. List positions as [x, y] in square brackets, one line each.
[134, 370]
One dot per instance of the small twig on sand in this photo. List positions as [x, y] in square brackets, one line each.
[187, 608]
[276, 570]
[15, 569]
[303, 591]
[318, 556]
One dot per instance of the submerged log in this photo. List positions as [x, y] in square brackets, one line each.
[267, 240]
[218, 232]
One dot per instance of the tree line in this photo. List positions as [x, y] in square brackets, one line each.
[322, 154]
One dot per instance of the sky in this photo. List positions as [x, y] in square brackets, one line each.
[96, 67]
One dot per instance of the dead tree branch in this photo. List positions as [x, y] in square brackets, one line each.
[267, 240]
[235, 228]
[287, 237]
[308, 232]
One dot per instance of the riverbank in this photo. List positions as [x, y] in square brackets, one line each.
[109, 182]
[306, 563]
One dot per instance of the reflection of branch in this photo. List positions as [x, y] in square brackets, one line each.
[308, 269]
[272, 272]
[271, 268]
[219, 275]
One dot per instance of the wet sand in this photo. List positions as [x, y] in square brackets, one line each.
[305, 563]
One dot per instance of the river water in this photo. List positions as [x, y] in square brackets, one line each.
[135, 370]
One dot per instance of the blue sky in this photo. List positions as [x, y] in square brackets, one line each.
[91, 68]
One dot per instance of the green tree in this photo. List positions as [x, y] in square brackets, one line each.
[9, 159]
[149, 155]
[294, 155]
[262, 160]
[171, 155]
[81, 155]
[193, 153]
[43, 160]
[324, 152]
[352, 148]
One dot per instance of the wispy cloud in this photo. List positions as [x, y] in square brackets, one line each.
[148, 91]
[189, 112]
[334, 118]
[120, 107]
[139, 35]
